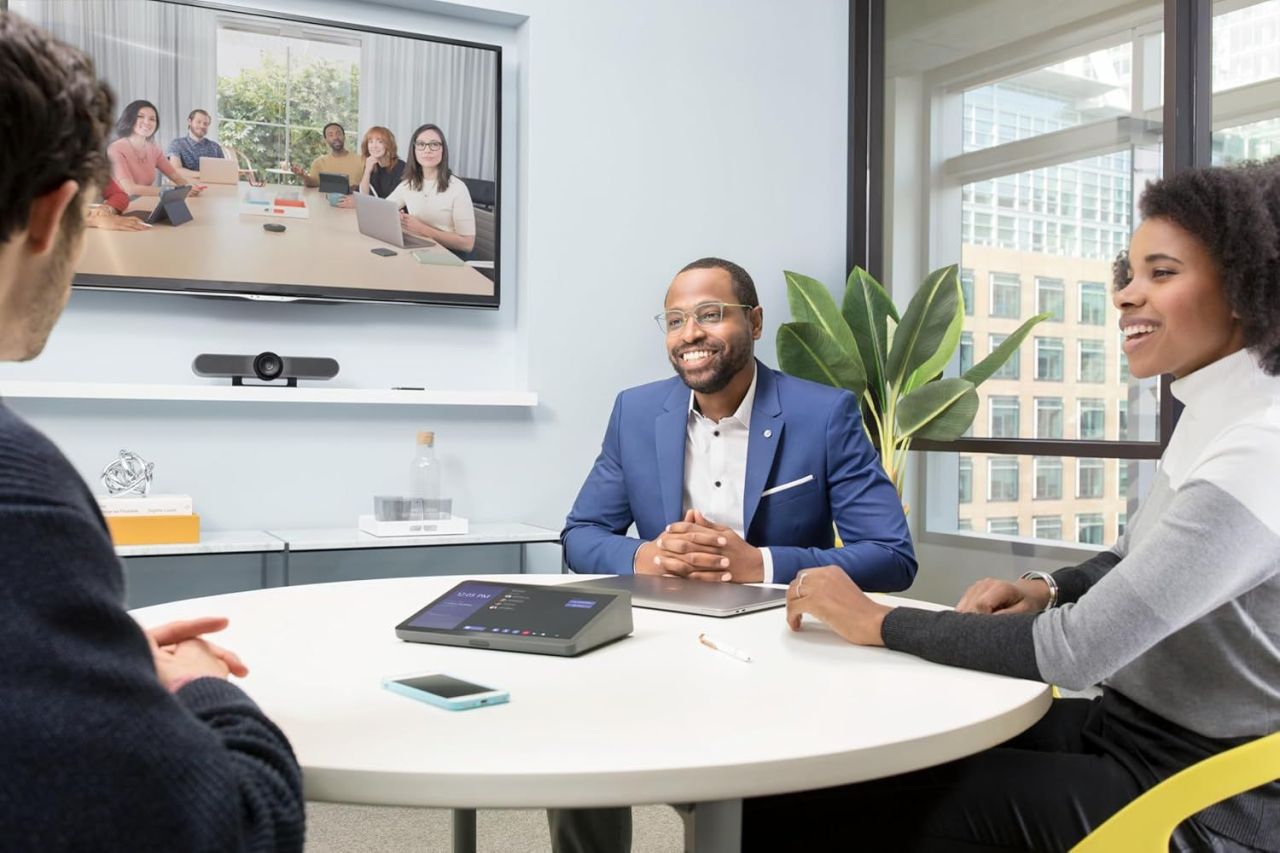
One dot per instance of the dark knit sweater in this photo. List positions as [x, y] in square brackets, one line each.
[94, 753]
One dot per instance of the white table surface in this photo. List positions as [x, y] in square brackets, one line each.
[478, 533]
[653, 718]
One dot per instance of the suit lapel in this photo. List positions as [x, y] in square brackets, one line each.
[762, 442]
[669, 433]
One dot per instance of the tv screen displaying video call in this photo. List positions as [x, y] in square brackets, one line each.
[276, 157]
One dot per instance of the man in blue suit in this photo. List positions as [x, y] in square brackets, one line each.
[730, 471]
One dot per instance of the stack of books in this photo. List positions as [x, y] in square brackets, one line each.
[151, 520]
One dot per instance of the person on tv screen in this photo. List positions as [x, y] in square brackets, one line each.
[1179, 622]
[339, 160]
[437, 202]
[107, 215]
[113, 738]
[135, 158]
[383, 168]
[184, 153]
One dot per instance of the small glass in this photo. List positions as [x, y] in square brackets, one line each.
[403, 508]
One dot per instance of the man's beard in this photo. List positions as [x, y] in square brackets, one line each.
[727, 368]
[337, 146]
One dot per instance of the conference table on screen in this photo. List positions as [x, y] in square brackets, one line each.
[655, 717]
[222, 244]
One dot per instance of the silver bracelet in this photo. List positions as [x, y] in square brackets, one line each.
[1049, 582]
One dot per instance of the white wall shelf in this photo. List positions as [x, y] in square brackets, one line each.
[252, 394]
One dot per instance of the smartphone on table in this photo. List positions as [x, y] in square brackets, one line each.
[445, 691]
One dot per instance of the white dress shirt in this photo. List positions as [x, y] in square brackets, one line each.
[715, 467]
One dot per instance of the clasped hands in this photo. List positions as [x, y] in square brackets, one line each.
[181, 653]
[699, 549]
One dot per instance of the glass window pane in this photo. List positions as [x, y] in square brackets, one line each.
[1084, 89]
[966, 479]
[1048, 417]
[1004, 526]
[1246, 46]
[1092, 418]
[1089, 528]
[1093, 360]
[1047, 526]
[966, 289]
[1011, 369]
[1002, 478]
[1051, 298]
[1049, 359]
[1006, 295]
[1093, 303]
[966, 351]
[1004, 417]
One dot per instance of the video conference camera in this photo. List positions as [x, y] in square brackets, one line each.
[265, 366]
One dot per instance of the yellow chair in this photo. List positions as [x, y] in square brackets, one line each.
[1145, 825]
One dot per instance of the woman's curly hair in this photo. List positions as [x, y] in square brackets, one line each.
[1235, 212]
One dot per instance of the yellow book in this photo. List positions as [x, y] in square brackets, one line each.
[154, 529]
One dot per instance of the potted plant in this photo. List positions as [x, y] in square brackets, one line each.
[892, 363]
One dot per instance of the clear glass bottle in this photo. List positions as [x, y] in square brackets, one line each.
[424, 473]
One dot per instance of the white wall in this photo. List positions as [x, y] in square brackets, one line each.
[637, 136]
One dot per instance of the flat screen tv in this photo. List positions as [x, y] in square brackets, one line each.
[324, 161]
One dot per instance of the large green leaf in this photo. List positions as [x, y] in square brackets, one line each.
[954, 421]
[933, 367]
[941, 406]
[811, 302]
[924, 327]
[806, 351]
[982, 371]
[866, 310]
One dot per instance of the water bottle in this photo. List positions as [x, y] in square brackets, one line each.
[424, 474]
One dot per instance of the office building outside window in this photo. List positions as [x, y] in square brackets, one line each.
[966, 479]
[1092, 417]
[966, 351]
[1006, 295]
[1089, 477]
[1005, 526]
[1012, 368]
[1093, 303]
[1093, 360]
[1004, 417]
[966, 290]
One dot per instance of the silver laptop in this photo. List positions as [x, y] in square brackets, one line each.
[218, 170]
[379, 218]
[685, 596]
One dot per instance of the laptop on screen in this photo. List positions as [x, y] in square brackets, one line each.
[218, 170]
[702, 598]
[379, 218]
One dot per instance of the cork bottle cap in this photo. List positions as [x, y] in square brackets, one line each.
[427, 438]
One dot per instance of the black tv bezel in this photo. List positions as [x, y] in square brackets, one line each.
[319, 292]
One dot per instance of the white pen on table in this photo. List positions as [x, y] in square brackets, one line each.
[724, 648]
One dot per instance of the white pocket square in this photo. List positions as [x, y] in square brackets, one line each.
[786, 486]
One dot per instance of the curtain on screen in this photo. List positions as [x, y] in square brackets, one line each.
[408, 82]
[158, 52]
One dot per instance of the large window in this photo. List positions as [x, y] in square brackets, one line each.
[1002, 478]
[1051, 298]
[275, 93]
[1049, 358]
[1048, 417]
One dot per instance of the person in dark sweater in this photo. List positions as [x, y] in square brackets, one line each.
[111, 738]
[1179, 621]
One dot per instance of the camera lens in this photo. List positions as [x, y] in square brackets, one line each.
[267, 366]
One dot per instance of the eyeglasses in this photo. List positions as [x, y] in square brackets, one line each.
[705, 314]
[425, 145]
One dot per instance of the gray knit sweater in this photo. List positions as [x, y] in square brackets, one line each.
[1181, 618]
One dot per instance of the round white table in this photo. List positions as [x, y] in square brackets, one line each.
[654, 718]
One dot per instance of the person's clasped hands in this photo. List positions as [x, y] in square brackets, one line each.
[699, 549]
[182, 654]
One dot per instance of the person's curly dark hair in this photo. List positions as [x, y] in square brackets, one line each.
[1235, 212]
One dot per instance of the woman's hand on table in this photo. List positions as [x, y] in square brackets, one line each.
[827, 594]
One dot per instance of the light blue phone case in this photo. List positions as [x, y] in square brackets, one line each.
[457, 703]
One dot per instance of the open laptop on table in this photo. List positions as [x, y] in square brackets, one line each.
[702, 598]
[379, 218]
[218, 170]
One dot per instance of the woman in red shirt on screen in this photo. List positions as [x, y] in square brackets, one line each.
[135, 158]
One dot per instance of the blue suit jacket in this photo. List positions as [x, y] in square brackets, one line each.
[798, 428]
